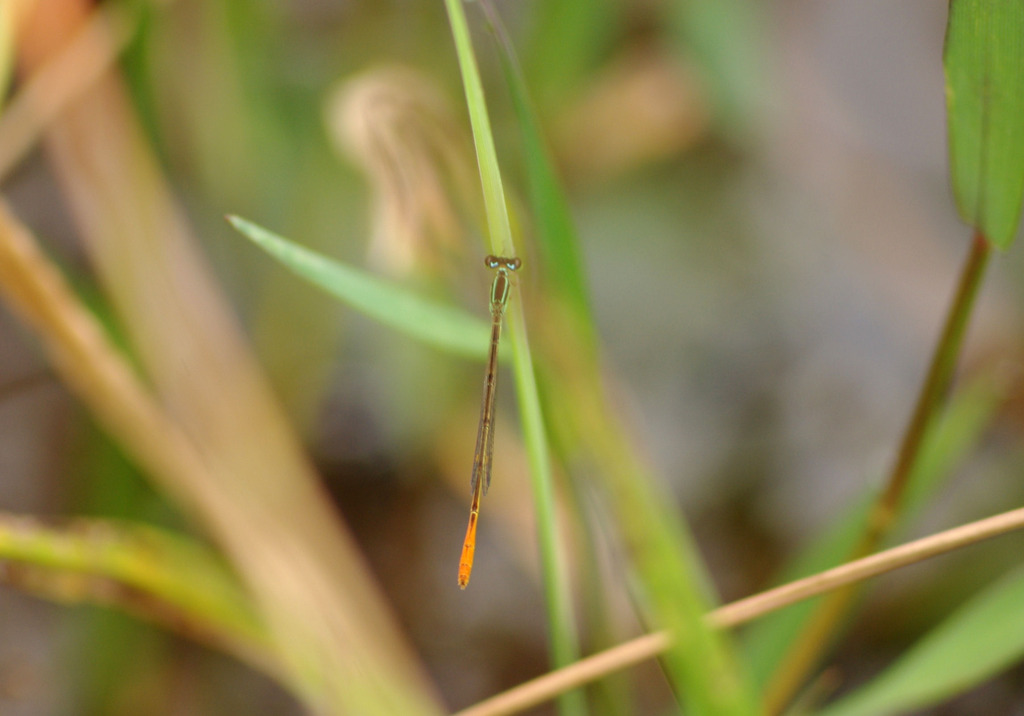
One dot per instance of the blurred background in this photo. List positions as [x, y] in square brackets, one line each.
[770, 242]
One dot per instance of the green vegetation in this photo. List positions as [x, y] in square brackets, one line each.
[686, 335]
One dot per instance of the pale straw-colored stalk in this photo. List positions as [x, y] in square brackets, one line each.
[744, 610]
[212, 435]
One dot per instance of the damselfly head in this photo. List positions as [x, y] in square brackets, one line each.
[510, 264]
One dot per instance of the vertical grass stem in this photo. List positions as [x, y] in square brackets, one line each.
[816, 635]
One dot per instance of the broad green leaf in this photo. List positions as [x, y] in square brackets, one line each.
[970, 412]
[979, 640]
[444, 327]
[984, 60]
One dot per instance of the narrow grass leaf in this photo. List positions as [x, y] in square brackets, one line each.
[700, 665]
[444, 327]
[554, 563]
[568, 39]
[498, 227]
[726, 38]
[984, 60]
[557, 237]
[981, 639]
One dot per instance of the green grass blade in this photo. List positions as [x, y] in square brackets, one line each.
[568, 39]
[554, 565]
[557, 238]
[444, 327]
[499, 228]
[168, 579]
[700, 665]
[767, 641]
[984, 60]
[982, 638]
[970, 412]
[673, 591]
[726, 38]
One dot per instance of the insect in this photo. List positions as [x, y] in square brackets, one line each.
[481, 480]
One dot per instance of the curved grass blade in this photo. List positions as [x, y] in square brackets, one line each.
[168, 579]
[982, 638]
[444, 327]
[984, 61]
[498, 227]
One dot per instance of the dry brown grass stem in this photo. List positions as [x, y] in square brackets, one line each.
[210, 427]
[744, 610]
[60, 81]
[85, 360]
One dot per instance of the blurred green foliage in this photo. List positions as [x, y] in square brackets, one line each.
[232, 94]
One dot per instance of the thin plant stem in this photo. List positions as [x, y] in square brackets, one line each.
[935, 389]
[813, 640]
[61, 81]
[648, 646]
[340, 648]
[92, 367]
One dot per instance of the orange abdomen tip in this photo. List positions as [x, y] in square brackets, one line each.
[468, 550]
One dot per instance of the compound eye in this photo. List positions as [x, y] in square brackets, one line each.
[513, 264]
[492, 262]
